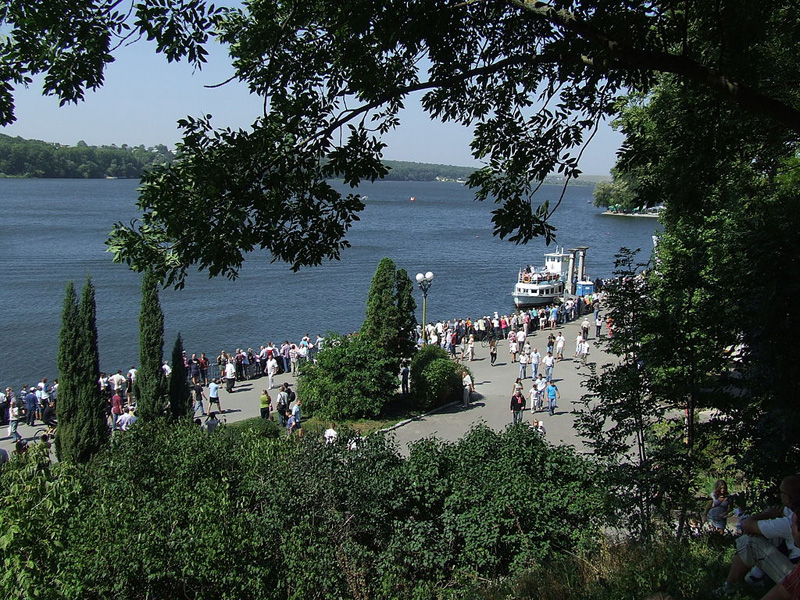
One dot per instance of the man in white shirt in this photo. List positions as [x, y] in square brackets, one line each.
[548, 362]
[230, 376]
[272, 370]
[466, 382]
[536, 358]
[763, 532]
[117, 381]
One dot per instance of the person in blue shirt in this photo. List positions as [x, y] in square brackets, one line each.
[552, 396]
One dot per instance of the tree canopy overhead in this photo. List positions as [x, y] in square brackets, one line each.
[534, 79]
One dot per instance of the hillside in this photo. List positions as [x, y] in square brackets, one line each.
[20, 157]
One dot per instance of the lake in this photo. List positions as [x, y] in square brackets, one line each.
[53, 231]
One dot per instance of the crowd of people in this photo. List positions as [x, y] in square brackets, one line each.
[33, 406]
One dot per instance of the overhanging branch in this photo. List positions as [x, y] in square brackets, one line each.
[663, 62]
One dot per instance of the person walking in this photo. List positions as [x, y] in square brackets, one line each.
[517, 406]
[523, 365]
[13, 421]
[466, 382]
[282, 406]
[199, 396]
[213, 395]
[552, 396]
[265, 404]
[536, 358]
[492, 351]
[548, 362]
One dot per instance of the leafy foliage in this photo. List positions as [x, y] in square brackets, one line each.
[721, 292]
[150, 377]
[534, 81]
[33, 158]
[435, 379]
[355, 523]
[70, 44]
[352, 377]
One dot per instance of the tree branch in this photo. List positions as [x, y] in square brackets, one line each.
[745, 96]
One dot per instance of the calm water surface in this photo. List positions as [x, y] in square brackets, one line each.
[53, 231]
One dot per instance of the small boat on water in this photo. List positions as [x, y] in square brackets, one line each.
[563, 270]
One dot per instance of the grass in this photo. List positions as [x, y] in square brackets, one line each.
[661, 569]
[399, 410]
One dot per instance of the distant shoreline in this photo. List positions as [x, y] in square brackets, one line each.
[624, 214]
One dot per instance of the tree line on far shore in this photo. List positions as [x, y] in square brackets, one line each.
[20, 157]
[34, 158]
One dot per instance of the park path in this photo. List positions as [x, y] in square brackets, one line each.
[490, 405]
[494, 387]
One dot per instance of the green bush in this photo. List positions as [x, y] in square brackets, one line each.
[351, 379]
[435, 379]
[170, 511]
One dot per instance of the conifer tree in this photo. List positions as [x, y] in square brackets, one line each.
[390, 318]
[179, 399]
[380, 321]
[92, 403]
[68, 350]
[406, 312]
[82, 427]
[150, 378]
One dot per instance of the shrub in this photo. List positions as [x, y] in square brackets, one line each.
[435, 379]
[351, 379]
[170, 511]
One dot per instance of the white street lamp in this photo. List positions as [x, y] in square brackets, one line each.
[424, 282]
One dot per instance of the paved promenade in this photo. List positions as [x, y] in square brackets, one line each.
[493, 390]
[490, 404]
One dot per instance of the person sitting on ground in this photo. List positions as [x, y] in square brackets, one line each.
[330, 434]
[758, 546]
[212, 422]
[718, 508]
[49, 415]
[789, 587]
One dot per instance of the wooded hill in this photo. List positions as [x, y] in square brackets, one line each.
[34, 158]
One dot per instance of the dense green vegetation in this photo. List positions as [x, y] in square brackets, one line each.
[435, 378]
[81, 408]
[34, 158]
[171, 511]
[352, 377]
[710, 110]
[150, 378]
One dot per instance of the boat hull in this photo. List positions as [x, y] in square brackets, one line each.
[527, 295]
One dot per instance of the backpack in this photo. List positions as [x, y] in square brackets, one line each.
[282, 405]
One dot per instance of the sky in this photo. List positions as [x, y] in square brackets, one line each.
[144, 96]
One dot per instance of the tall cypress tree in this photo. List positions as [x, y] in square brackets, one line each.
[82, 425]
[94, 422]
[380, 321]
[69, 347]
[180, 403]
[406, 314]
[390, 319]
[150, 377]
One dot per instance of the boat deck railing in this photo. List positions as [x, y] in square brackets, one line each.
[537, 277]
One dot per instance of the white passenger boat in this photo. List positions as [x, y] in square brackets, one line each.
[549, 284]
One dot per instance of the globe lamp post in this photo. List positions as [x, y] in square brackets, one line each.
[424, 282]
